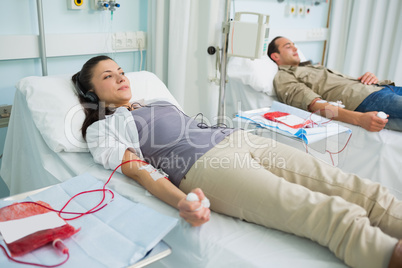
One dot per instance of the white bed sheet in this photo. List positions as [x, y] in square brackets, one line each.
[29, 164]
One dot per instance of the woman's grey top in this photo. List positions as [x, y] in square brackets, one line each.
[171, 140]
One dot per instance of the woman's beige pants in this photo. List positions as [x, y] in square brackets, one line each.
[262, 181]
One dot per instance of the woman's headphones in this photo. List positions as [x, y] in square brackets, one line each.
[89, 95]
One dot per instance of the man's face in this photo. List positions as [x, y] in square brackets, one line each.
[287, 53]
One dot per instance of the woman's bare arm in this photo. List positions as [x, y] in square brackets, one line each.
[166, 191]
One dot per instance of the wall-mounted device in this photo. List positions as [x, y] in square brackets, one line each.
[292, 9]
[113, 5]
[301, 10]
[104, 5]
[248, 39]
[99, 4]
[76, 4]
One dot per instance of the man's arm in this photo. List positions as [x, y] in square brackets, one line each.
[297, 94]
[369, 120]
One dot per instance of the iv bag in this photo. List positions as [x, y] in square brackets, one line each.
[37, 239]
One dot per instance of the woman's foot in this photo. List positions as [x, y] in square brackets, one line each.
[396, 258]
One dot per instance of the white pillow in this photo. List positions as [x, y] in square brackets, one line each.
[58, 114]
[258, 74]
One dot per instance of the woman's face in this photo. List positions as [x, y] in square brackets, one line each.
[110, 84]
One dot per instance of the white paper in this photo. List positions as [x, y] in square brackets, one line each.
[16, 229]
[291, 120]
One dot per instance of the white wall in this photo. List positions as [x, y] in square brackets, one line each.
[20, 18]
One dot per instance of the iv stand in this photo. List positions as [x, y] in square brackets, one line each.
[224, 56]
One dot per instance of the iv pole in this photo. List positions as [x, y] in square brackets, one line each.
[224, 56]
[42, 47]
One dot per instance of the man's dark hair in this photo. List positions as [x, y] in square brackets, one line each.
[272, 47]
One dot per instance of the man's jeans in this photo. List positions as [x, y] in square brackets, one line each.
[388, 100]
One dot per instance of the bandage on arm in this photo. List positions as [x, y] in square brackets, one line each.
[156, 174]
[325, 108]
[135, 166]
[161, 188]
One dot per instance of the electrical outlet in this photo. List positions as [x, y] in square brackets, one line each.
[5, 111]
[141, 40]
[131, 40]
[119, 41]
[318, 34]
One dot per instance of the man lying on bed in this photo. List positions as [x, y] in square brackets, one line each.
[312, 88]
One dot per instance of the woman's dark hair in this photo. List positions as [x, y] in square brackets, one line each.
[83, 84]
[272, 47]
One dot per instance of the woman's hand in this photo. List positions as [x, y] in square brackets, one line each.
[194, 212]
[368, 79]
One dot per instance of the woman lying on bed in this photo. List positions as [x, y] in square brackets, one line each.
[245, 176]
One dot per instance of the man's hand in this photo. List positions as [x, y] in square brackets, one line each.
[193, 211]
[368, 79]
[371, 122]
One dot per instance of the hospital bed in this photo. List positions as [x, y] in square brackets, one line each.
[372, 155]
[44, 147]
